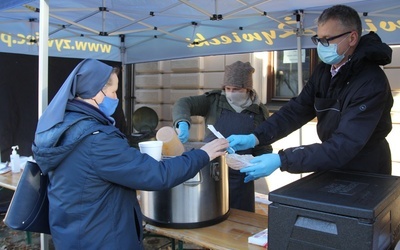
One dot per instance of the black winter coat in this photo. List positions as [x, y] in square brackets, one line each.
[353, 113]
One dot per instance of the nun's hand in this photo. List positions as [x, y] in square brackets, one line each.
[216, 148]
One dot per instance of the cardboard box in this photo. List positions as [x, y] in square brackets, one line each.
[335, 210]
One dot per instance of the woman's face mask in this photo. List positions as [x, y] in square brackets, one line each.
[237, 98]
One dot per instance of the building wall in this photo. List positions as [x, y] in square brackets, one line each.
[159, 84]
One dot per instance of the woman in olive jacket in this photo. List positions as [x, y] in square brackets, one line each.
[236, 109]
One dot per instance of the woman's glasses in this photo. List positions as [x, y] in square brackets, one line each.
[325, 41]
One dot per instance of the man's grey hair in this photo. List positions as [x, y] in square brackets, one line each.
[345, 14]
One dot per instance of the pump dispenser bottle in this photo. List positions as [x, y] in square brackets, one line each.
[14, 159]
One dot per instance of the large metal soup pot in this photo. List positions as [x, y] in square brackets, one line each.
[198, 202]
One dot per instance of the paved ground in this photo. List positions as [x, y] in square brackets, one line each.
[11, 239]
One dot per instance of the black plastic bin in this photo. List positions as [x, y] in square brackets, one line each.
[335, 210]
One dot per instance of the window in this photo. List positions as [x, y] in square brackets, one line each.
[283, 74]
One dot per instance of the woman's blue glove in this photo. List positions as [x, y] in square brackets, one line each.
[242, 142]
[183, 131]
[263, 165]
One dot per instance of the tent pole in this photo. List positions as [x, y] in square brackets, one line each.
[43, 77]
[124, 78]
[299, 34]
[43, 55]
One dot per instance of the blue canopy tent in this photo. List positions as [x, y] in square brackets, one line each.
[132, 31]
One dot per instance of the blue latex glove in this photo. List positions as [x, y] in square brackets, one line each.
[263, 165]
[242, 142]
[183, 131]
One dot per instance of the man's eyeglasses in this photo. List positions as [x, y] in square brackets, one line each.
[325, 41]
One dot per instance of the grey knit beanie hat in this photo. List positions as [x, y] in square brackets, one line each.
[239, 75]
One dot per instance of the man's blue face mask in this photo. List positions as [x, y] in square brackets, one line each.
[328, 54]
[108, 105]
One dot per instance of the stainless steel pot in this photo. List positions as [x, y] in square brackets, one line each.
[198, 202]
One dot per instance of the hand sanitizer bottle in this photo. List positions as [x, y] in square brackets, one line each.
[14, 159]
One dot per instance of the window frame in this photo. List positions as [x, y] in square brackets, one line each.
[274, 103]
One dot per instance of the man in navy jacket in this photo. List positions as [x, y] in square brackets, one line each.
[348, 93]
